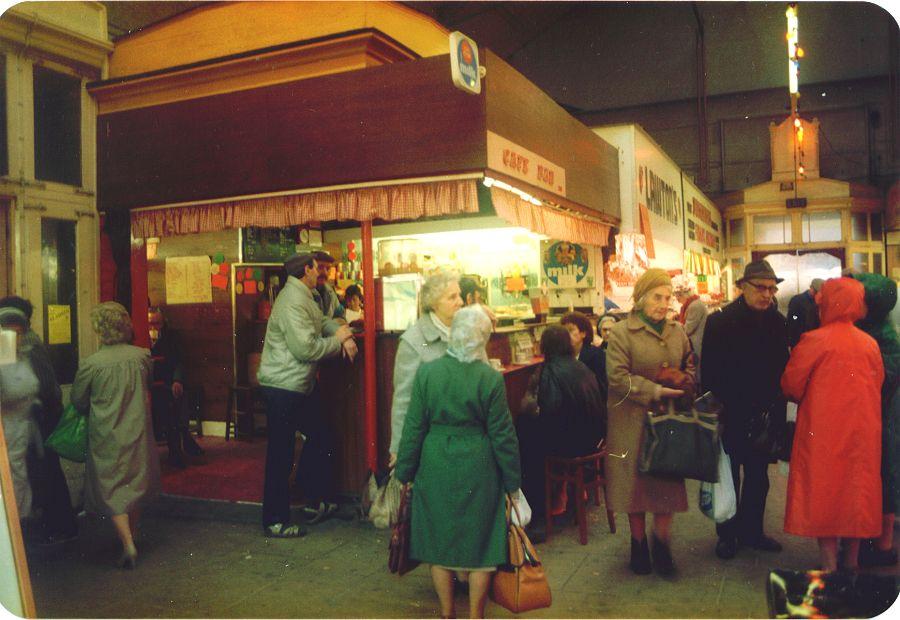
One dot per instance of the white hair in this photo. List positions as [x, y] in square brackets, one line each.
[434, 288]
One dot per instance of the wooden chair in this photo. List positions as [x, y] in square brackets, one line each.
[584, 472]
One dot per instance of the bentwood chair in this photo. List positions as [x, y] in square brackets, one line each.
[585, 473]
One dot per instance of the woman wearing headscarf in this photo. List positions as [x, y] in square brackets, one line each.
[460, 448]
[122, 468]
[648, 361]
[19, 390]
[426, 340]
[563, 414]
[835, 373]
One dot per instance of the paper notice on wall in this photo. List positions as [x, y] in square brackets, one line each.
[59, 324]
[188, 280]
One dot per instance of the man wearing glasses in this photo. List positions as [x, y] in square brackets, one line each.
[745, 350]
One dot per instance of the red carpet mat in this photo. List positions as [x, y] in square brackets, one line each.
[228, 470]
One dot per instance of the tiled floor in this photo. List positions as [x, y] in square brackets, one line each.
[195, 567]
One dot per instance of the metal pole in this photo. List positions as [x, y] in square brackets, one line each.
[369, 379]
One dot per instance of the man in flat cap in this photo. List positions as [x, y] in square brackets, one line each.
[745, 350]
[803, 312]
[297, 337]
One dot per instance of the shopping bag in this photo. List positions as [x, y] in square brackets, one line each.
[717, 499]
[398, 557]
[69, 438]
[385, 506]
[682, 444]
[521, 585]
[523, 510]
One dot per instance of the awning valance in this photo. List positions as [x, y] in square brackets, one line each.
[387, 203]
[548, 221]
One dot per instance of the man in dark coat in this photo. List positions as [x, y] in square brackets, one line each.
[803, 312]
[745, 350]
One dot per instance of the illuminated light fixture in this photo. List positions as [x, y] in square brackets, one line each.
[797, 123]
[794, 51]
[491, 182]
[801, 169]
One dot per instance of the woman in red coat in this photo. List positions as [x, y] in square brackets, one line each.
[835, 374]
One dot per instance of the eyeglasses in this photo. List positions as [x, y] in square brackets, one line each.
[772, 290]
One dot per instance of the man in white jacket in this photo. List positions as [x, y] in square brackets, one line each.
[297, 336]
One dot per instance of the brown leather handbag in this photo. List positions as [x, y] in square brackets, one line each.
[521, 585]
[398, 558]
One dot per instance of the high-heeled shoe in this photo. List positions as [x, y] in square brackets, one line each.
[129, 559]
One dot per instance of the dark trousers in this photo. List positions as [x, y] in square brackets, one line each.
[532, 454]
[747, 524]
[50, 489]
[167, 410]
[286, 413]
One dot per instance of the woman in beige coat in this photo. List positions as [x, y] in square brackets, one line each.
[639, 348]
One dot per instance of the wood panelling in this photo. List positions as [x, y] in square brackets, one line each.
[5, 250]
[519, 111]
[395, 121]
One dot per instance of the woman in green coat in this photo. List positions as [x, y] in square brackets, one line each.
[459, 447]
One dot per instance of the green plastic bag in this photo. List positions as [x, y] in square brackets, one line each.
[69, 438]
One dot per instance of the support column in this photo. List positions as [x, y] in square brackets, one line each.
[139, 296]
[369, 378]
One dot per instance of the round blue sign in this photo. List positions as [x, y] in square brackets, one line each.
[565, 259]
[468, 62]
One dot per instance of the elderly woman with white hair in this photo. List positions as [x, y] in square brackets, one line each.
[122, 468]
[426, 340]
[460, 448]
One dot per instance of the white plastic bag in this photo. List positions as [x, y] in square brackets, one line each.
[717, 499]
[385, 502]
[523, 507]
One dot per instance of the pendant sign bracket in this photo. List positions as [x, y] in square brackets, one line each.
[465, 69]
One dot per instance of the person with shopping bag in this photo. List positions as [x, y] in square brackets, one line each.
[835, 373]
[641, 348]
[459, 447]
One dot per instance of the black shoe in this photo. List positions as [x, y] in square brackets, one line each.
[640, 557]
[190, 445]
[871, 556]
[662, 558]
[726, 548]
[763, 543]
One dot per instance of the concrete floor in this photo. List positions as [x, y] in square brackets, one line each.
[192, 566]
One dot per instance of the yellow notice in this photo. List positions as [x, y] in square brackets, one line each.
[188, 280]
[59, 324]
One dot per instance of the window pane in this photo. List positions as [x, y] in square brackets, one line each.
[860, 226]
[57, 127]
[822, 226]
[60, 299]
[877, 232]
[736, 233]
[876, 262]
[772, 229]
[860, 262]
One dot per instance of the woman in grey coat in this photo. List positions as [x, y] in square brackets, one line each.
[426, 340]
[122, 469]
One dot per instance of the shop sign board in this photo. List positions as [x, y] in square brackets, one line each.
[703, 222]
[658, 187]
[520, 163]
[464, 68]
[566, 265]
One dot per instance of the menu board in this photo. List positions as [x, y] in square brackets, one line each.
[268, 245]
[188, 280]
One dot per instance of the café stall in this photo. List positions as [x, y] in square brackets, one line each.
[233, 182]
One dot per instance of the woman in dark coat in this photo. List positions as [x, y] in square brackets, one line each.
[459, 446]
[563, 414]
[594, 357]
[880, 298]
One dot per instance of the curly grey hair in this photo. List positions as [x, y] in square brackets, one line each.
[434, 287]
[111, 323]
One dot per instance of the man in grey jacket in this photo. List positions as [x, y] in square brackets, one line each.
[297, 337]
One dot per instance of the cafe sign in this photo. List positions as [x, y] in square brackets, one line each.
[520, 163]
[464, 68]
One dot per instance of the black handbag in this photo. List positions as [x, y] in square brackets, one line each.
[770, 439]
[682, 444]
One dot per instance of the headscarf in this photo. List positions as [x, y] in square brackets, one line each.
[469, 334]
[649, 281]
[841, 301]
[13, 316]
[880, 298]
[111, 323]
